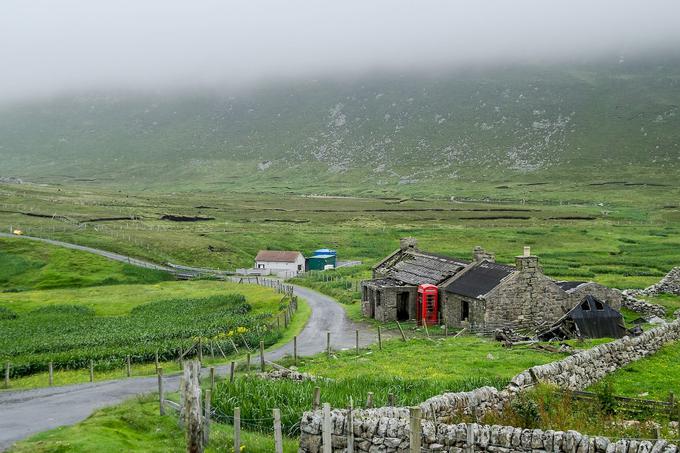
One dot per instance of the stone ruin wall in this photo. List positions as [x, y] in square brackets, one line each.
[670, 284]
[386, 429]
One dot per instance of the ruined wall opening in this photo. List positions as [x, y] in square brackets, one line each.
[464, 310]
[403, 300]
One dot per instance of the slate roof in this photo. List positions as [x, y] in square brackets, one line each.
[414, 267]
[569, 285]
[277, 256]
[480, 279]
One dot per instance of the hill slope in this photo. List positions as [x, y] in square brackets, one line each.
[603, 121]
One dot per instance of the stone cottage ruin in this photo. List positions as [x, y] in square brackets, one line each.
[477, 294]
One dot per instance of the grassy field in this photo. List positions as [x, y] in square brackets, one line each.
[121, 299]
[26, 265]
[440, 358]
[107, 322]
[653, 377]
[620, 236]
[135, 426]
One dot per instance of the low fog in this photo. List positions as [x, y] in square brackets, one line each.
[50, 46]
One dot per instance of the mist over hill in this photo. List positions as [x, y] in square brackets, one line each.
[601, 121]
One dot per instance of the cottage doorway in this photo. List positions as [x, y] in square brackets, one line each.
[403, 300]
[464, 310]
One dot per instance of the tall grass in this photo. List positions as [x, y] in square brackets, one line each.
[257, 397]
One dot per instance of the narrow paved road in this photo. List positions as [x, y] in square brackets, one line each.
[27, 412]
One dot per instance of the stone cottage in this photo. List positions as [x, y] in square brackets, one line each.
[480, 294]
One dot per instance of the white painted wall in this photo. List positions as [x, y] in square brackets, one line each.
[283, 270]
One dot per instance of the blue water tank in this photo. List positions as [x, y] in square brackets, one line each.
[325, 252]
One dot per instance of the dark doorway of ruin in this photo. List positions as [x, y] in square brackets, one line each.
[402, 306]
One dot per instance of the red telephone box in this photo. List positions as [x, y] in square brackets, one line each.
[428, 304]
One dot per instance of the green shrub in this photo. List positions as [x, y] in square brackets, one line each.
[6, 313]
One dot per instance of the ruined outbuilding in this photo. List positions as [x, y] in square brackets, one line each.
[477, 294]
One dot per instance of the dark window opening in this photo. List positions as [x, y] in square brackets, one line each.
[377, 298]
[364, 293]
[599, 305]
[585, 306]
[299, 267]
[464, 310]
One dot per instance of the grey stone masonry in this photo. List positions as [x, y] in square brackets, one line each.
[670, 284]
[640, 306]
[389, 435]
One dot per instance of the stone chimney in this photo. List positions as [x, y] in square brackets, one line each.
[479, 255]
[527, 263]
[408, 243]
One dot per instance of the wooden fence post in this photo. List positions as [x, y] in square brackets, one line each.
[278, 438]
[328, 343]
[206, 417]
[127, 366]
[248, 362]
[262, 356]
[356, 334]
[326, 429]
[212, 378]
[237, 430]
[231, 371]
[192, 408]
[295, 350]
[180, 419]
[415, 414]
[316, 399]
[379, 339]
[401, 331]
[91, 370]
[51, 373]
[156, 360]
[161, 396]
[369, 400]
[350, 427]
[7, 367]
[200, 350]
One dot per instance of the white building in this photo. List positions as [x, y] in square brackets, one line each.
[281, 263]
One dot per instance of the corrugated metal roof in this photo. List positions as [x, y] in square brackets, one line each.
[480, 279]
[414, 267]
[277, 256]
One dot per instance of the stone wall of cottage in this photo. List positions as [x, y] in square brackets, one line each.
[385, 429]
[611, 296]
[526, 299]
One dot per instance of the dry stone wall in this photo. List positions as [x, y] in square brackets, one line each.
[386, 429]
[670, 284]
[640, 306]
[388, 435]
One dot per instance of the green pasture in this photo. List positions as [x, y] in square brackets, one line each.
[121, 299]
[27, 265]
[135, 426]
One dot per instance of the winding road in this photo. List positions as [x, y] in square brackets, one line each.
[27, 412]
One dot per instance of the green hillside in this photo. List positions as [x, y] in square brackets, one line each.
[614, 123]
[28, 265]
